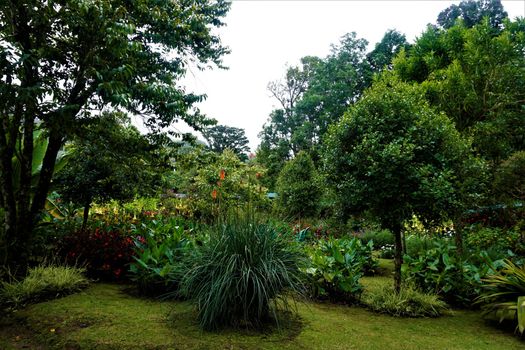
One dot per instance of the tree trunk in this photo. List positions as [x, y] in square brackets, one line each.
[46, 173]
[398, 257]
[86, 214]
[458, 236]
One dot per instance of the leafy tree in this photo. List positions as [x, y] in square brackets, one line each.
[111, 160]
[297, 187]
[472, 12]
[385, 50]
[312, 96]
[394, 156]
[221, 137]
[61, 62]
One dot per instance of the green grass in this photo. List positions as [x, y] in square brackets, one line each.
[104, 316]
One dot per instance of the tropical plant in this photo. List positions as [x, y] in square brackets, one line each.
[440, 271]
[157, 265]
[503, 295]
[243, 275]
[336, 266]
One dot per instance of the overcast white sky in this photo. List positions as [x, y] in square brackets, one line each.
[265, 36]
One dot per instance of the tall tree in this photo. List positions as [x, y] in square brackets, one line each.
[394, 156]
[221, 137]
[61, 62]
[472, 12]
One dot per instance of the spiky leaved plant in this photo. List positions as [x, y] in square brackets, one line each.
[504, 295]
[243, 274]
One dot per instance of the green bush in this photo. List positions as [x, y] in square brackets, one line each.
[243, 274]
[419, 244]
[380, 237]
[503, 295]
[409, 302]
[297, 187]
[440, 272]
[42, 283]
[480, 237]
[336, 265]
[159, 253]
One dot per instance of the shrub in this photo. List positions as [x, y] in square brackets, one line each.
[503, 295]
[297, 187]
[241, 276]
[104, 252]
[42, 283]
[336, 265]
[439, 271]
[157, 268]
[492, 238]
[409, 302]
[380, 237]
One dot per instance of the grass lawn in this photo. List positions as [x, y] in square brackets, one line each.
[106, 317]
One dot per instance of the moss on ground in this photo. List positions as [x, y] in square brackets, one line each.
[106, 317]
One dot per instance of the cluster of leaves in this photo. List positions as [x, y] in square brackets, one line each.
[214, 183]
[440, 271]
[42, 283]
[493, 238]
[160, 247]
[242, 275]
[503, 295]
[336, 265]
[104, 251]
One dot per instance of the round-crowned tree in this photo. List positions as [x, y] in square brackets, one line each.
[297, 187]
[394, 156]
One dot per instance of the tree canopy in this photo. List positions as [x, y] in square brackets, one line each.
[63, 62]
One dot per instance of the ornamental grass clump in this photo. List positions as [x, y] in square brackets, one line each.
[243, 275]
[42, 283]
[409, 302]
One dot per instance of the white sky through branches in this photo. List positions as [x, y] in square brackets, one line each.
[265, 36]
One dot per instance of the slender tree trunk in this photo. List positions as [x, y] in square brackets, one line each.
[46, 173]
[87, 205]
[458, 236]
[398, 257]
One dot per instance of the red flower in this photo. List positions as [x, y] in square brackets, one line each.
[214, 194]
[222, 174]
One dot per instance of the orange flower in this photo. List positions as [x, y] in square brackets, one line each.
[214, 194]
[222, 174]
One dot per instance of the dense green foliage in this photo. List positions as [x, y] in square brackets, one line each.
[243, 275]
[158, 262]
[222, 137]
[394, 156]
[298, 188]
[440, 271]
[336, 265]
[42, 283]
[63, 62]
